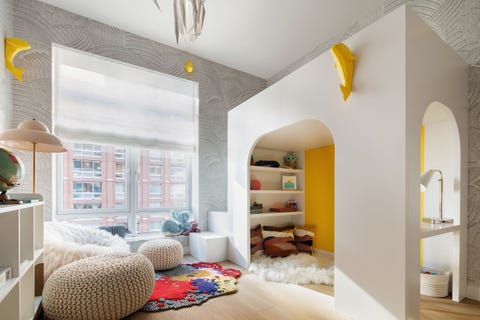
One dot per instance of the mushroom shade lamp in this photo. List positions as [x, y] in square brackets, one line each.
[425, 179]
[32, 135]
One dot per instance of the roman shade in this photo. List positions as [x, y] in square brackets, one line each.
[110, 102]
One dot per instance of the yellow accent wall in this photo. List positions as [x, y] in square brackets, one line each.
[422, 195]
[319, 195]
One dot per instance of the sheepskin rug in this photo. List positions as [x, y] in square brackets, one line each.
[68, 242]
[301, 268]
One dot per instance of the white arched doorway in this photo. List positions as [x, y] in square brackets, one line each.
[440, 155]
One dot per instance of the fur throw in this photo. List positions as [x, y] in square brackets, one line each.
[68, 242]
[296, 269]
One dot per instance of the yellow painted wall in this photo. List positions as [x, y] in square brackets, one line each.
[422, 195]
[319, 195]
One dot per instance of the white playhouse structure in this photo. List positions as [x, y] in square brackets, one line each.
[402, 69]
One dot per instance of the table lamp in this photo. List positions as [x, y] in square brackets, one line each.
[32, 135]
[425, 179]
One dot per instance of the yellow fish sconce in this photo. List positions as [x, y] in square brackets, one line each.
[12, 47]
[189, 66]
[344, 63]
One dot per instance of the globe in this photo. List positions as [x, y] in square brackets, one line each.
[11, 170]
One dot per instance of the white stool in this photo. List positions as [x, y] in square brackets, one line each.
[208, 246]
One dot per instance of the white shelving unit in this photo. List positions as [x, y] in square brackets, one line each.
[271, 194]
[21, 248]
[428, 230]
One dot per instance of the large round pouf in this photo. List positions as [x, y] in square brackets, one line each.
[101, 287]
[163, 253]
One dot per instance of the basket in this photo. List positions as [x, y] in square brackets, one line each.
[434, 284]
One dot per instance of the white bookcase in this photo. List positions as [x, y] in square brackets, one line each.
[21, 248]
[271, 193]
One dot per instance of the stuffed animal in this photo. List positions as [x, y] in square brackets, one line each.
[193, 228]
[178, 224]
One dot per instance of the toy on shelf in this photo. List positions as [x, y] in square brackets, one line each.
[193, 228]
[179, 223]
[291, 160]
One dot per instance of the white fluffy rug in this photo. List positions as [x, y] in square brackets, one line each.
[68, 242]
[296, 269]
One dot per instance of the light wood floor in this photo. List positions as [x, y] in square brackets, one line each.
[260, 300]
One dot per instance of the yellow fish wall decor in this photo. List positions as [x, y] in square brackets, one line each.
[12, 47]
[344, 63]
[189, 67]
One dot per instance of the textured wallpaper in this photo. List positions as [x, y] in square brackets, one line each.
[6, 31]
[221, 88]
[473, 269]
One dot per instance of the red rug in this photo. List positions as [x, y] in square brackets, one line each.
[190, 284]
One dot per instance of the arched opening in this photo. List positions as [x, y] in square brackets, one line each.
[440, 197]
[296, 193]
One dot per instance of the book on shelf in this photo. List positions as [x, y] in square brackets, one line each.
[283, 209]
[30, 200]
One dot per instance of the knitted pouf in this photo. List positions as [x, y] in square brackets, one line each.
[101, 287]
[163, 253]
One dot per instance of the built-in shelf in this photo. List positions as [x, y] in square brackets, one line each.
[37, 254]
[431, 229]
[7, 287]
[275, 214]
[271, 169]
[25, 266]
[21, 248]
[276, 191]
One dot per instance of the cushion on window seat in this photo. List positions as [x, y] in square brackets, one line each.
[68, 242]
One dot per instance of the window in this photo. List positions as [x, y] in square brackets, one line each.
[127, 162]
[82, 149]
[87, 168]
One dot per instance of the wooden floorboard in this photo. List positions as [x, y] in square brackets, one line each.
[260, 300]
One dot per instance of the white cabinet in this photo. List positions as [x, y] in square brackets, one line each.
[21, 248]
[272, 194]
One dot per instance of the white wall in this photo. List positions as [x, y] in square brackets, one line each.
[368, 131]
[377, 162]
[442, 152]
[434, 73]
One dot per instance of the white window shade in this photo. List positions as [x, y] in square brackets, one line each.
[110, 102]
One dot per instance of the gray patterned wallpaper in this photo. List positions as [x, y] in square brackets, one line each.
[6, 31]
[221, 88]
[458, 23]
[473, 266]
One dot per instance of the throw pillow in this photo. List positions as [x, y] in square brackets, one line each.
[289, 229]
[256, 240]
[278, 244]
[304, 238]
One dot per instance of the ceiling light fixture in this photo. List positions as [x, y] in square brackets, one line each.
[189, 15]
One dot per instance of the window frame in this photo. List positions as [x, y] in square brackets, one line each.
[132, 211]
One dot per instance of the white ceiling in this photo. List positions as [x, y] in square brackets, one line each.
[260, 37]
[303, 135]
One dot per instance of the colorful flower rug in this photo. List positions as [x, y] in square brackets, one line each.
[190, 284]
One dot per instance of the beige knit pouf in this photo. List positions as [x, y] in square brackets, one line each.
[163, 253]
[101, 287]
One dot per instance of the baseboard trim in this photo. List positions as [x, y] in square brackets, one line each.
[315, 250]
[473, 292]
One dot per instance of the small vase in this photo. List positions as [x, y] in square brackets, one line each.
[255, 184]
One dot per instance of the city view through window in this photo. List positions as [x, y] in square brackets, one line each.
[106, 185]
